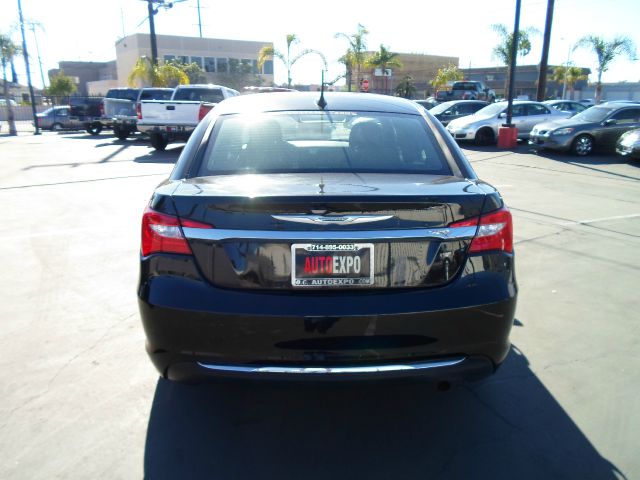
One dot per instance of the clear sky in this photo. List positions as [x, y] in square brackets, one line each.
[87, 30]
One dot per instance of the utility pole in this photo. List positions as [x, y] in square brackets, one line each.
[199, 20]
[26, 63]
[152, 31]
[512, 68]
[544, 61]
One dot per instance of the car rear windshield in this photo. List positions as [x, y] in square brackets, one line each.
[301, 142]
[464, 86]
[199, 95]
[130, 94]
[156, 94]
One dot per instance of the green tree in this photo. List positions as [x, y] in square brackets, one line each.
[384, 59]
[171, 75]
[356, 55]
[8, 50]
[570, 74]
[146, 74]
[606, 53]
[267, 53]
[406, 88]
[449, 73]
[61, 85]
[194, 72]
[502, 51]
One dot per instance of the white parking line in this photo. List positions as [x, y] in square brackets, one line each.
[604, 219]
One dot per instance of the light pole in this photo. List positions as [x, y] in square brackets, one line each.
[26, 64]
[32, 27]
[566, 68]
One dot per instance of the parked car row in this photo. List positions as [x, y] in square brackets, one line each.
[555, 124]
[482, 127]
[165, 114]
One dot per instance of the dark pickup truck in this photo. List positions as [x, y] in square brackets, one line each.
[467, 90]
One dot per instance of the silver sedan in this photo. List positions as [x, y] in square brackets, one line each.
[482, 126]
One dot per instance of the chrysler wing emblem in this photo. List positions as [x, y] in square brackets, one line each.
[332, 219]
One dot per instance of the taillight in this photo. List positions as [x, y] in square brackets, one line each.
[495, 231]
[102, 109]
[204, 109]
[163, 233]
[139, 111]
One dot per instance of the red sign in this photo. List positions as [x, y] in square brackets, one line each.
[365, 85]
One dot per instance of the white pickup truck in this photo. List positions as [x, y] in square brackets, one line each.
[172, 120]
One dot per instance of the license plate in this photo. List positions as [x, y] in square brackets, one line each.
[331, 265]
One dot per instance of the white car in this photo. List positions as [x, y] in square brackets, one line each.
[3, 102]
[482, 127]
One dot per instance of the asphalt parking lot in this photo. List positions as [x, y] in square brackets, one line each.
[80, 398]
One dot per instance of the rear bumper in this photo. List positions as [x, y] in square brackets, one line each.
[453, 369]
[176, 131]
[460, 330]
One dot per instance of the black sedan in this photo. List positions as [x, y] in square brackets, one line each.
[447, 111]
[335, 237]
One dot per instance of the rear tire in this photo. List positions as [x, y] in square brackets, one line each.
[121, 133]
[158, 141]
[94, 128]
[582, 145]
[485, 136]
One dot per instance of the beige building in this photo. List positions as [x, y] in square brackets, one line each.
[422, 68]
[224, 61]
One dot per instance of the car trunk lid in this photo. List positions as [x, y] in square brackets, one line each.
[265, 226]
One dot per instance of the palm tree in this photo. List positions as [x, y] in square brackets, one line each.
[267, 53]
[606, 52]
[384, 59]
[148, 74]
[356, 55]
[502, 51]
[406, 88]
[8, 50]
[569, 74]
[145, 73]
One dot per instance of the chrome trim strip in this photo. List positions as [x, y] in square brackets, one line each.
[332, 219]
[214, 234]
[333, 370]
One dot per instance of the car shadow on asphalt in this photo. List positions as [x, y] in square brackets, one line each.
[161, 156]
[509, 426]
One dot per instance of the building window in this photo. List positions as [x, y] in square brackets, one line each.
[197, 61]
[267, 68]
[234, 65]
[246, 66]
[183, 58]
[223, 66]
[254, 67]
[209, 64]
[169, 58]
